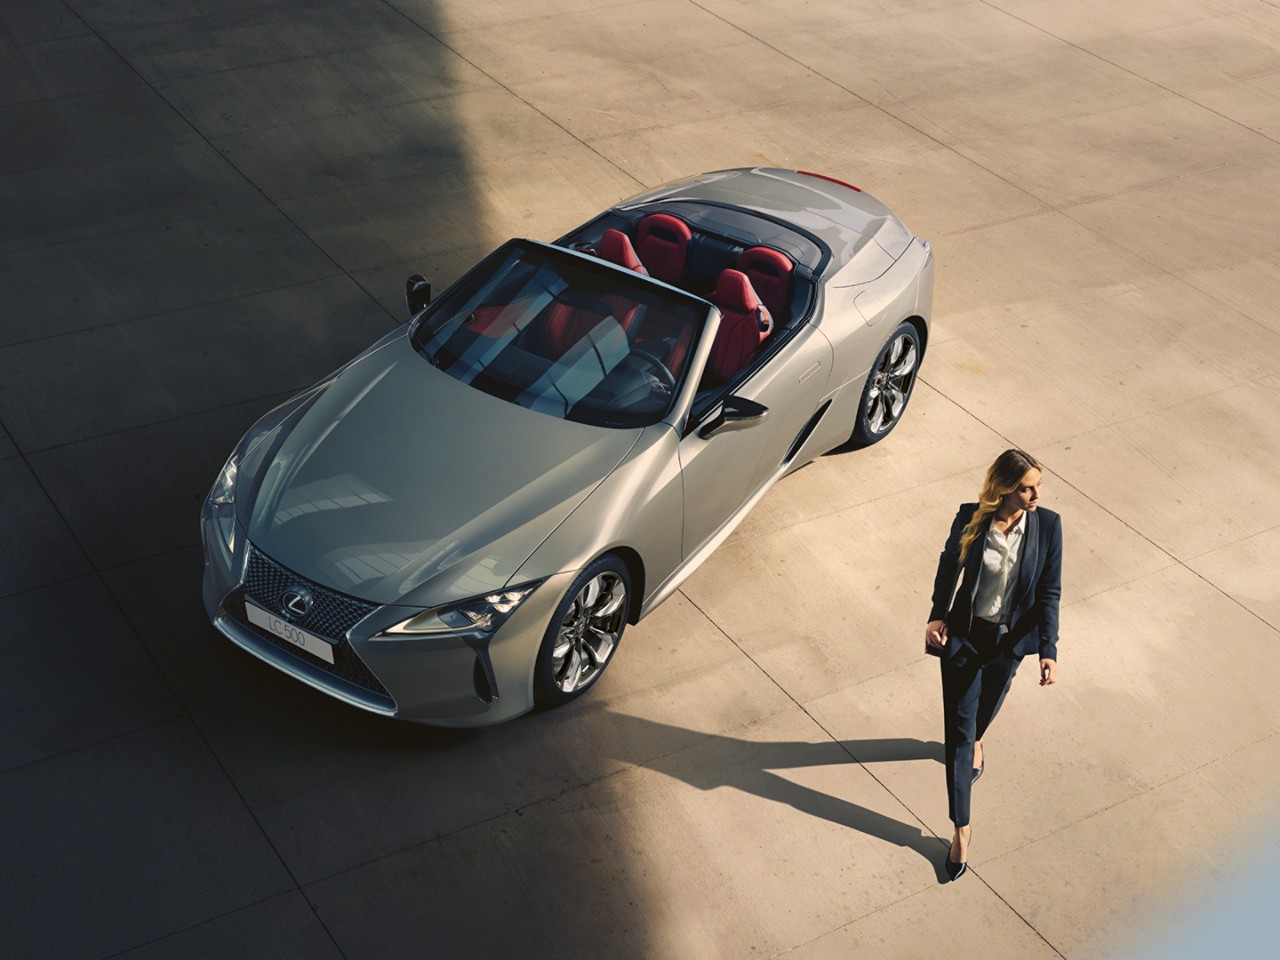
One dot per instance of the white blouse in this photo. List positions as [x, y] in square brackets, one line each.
[999, 577]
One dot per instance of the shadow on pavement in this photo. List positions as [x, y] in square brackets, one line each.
[208, 207]
[751, 765]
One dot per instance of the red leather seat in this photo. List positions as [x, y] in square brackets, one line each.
[771, 274]
[566, 323]
[745, 323]
[615, 246]
[662, 241]
[565, 326]
[484, 319]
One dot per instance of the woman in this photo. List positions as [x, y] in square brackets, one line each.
[1007, 554]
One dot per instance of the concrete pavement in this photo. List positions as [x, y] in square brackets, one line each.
[208, 204]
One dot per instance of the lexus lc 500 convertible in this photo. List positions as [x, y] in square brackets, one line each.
[460, 522]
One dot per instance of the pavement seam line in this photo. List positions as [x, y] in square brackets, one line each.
[71, 5]
[766, 672]
[179, 714]
[1180, 277]
[222, 916]
[805, 710]
[750, 537]
[1057, 207]
[924, 827]
[157, 314]
[1177, 561]
[1132, 73]
[1239, 603]
[285, 395]
[882, 908]
[193, 137]
[187, 715]
[1087, 498]
[623, 768]
[1062, 477]
[1166, 409]
[266, 836]
[875, 106]
[230, 164]
[550, 119]
[1141, 792]
[42, 586]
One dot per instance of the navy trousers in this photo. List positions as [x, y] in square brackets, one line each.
[973, 689]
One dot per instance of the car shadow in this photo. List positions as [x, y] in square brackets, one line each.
[723, 761]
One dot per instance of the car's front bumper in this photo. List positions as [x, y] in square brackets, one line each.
[438, 679]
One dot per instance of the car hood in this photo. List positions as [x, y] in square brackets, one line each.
[399, 484]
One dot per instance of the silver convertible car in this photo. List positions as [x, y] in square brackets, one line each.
[459, 523]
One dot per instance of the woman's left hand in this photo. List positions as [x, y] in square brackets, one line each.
[1048, 672]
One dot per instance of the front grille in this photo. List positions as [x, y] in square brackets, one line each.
[331, 615]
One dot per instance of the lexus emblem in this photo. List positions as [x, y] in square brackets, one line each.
[296, 602]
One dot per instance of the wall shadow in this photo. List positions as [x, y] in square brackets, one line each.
[254, 180]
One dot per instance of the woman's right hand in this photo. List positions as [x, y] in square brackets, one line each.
[935, 633]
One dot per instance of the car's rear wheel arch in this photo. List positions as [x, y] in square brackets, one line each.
[923, 330]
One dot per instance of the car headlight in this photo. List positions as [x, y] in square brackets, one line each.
[222, 503]
[485, 613]
[223, 493]
[222, 498]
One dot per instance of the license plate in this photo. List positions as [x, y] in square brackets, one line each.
[286, 631]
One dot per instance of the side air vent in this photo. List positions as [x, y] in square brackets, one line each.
[481, 681]
[805, 433]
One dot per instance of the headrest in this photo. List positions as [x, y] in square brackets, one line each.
[615, 246]
[668, 227]
[765, 260]
[735, 293]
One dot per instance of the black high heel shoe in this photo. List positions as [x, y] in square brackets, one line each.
[977, 771]
[957, 870]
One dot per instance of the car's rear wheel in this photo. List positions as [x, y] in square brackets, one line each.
[889, 386]
[583, 633]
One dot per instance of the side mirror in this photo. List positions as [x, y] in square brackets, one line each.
[736, 413]
[417, 293]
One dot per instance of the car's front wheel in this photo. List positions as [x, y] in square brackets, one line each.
[583, 633]
[889, 386]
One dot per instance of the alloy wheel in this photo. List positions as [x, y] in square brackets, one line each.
[891, 384]
[589, 632]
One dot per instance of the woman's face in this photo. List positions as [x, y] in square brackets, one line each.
[1027, 496]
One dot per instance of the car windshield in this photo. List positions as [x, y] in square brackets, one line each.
[573, 339]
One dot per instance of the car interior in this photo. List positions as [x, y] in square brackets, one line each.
[584, 347]
[758, 289]
[553, 334]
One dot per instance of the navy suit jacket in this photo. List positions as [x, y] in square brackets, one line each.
[1033, 626]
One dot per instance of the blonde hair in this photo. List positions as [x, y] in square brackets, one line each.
[1003, 477]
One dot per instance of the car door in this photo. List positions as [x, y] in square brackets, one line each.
[723, 471]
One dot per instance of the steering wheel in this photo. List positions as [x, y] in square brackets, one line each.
[655, 366]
